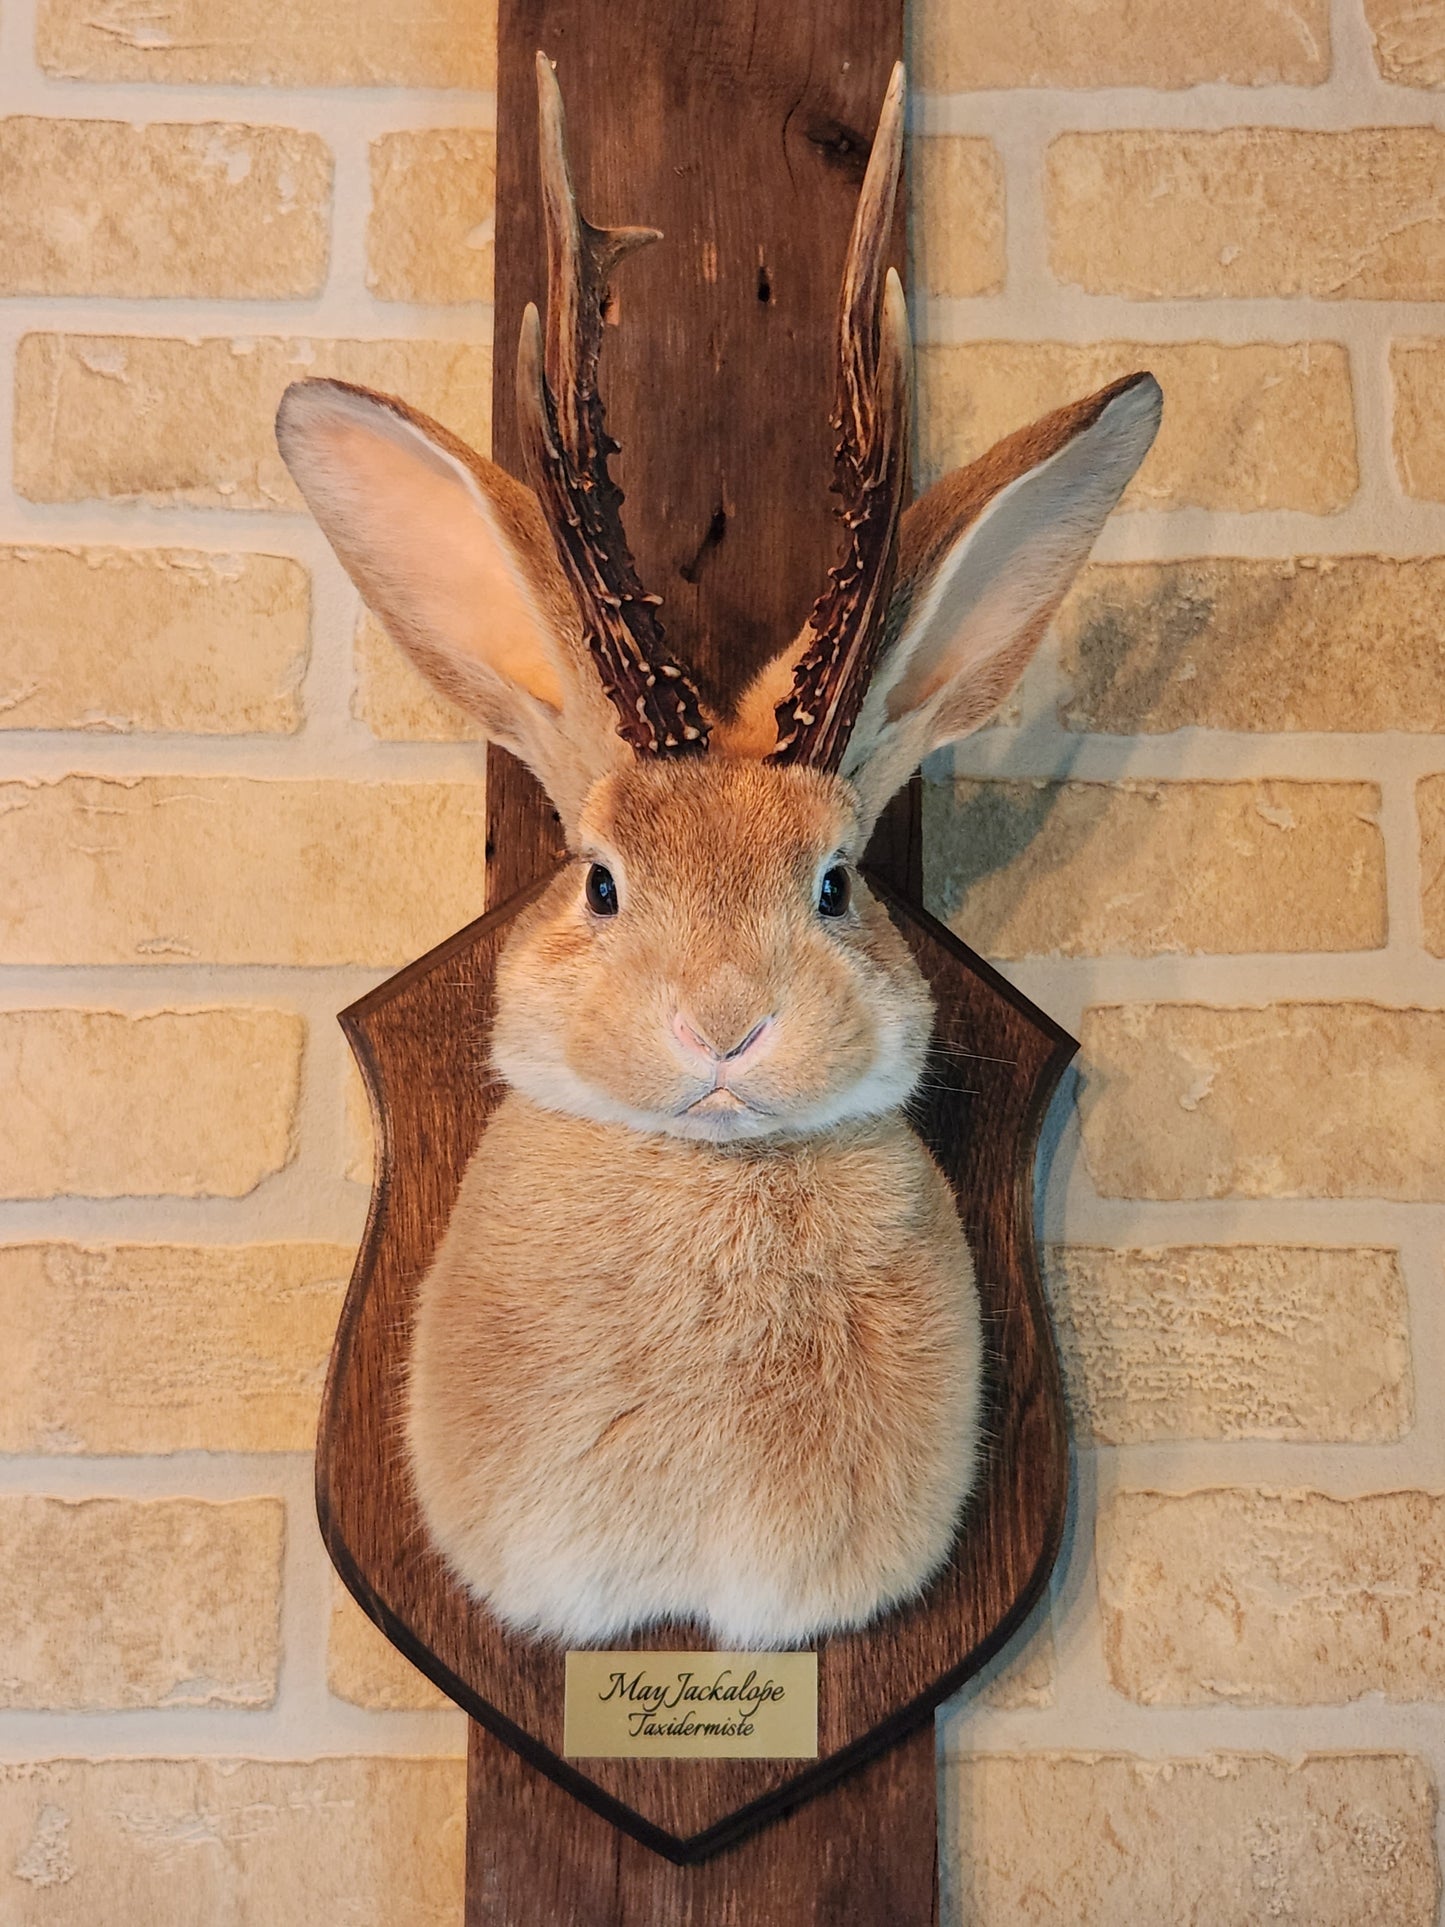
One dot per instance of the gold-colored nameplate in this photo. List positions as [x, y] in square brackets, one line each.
[691, 1706]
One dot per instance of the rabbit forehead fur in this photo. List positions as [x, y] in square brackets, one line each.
[717, 865]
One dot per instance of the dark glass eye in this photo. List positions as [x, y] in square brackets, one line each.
[601, 892]
[835, 892]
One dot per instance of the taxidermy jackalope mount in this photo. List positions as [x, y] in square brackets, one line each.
[699, 1337]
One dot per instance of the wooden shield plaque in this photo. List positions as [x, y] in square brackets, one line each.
[421, 1040]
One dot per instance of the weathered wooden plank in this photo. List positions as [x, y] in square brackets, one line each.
[742, 133]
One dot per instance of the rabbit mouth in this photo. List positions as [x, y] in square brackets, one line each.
[720, 1102]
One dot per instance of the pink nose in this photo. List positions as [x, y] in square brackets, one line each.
[692, 1039]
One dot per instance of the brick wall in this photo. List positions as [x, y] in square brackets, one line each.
[1209, 835]
[1209, 838]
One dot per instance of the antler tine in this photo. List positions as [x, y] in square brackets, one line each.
[831, 677]
[565, 436]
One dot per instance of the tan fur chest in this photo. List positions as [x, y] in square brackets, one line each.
[657, 1379]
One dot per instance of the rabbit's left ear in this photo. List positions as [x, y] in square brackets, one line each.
[985, 559]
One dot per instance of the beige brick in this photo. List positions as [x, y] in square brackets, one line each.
[1229, 1840]
[1347, 642]
[228, 869]
[166, 1348]
[1418, 371]
[396, 701]
[114, 1603]
[1272, 1598]
[152, 639]
[1269, 425]
[1431, 799]
[233, 1843]
[1025, 1682]
[958, 217]
[1233, 1342]
[208, 208]
[1252, 211]
[1119, 43]
[1141, 868]
[196, 1103]
[1339, 1100]
[360, 1154]
[433, 215]
[172, 421]
[1409, 38]
[327, 43]
[364, 1667]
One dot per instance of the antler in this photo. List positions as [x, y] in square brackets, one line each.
[831, 677]
[567, 446]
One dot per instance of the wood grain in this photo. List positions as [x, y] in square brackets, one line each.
[742, 132]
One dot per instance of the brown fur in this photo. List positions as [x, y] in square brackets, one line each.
[659, 1379]
[717, 863]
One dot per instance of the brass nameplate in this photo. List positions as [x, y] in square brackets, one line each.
[691, 1706]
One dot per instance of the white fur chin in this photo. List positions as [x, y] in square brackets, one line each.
[887, 1084]
[563, 1599]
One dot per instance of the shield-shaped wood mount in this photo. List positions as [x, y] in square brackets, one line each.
[421, 1039]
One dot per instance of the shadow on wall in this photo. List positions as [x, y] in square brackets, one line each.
[974, 832]
[1127, 642]
[1127, 866]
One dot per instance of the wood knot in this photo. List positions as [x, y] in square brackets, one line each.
[841, 146]
[716, 529]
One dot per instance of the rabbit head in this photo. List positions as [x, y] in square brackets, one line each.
[713, 968]
[710, 964]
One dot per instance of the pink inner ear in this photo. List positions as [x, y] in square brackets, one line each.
[426, 550]
[994, 591]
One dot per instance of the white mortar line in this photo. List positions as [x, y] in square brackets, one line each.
[337, 313]
[1042, 114]
[288, 1209]
[1041, 749]
[334, 745]
[1066, 986]
[1105, 1722]
[28, 89]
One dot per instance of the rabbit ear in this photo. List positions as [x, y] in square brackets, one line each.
[985, 558]
[455, 558]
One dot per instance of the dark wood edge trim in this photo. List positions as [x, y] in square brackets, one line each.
[695, 1848]
[353, 1019]
[354, 1022]
[440, 1674]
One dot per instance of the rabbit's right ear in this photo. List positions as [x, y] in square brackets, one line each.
[456, 560]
